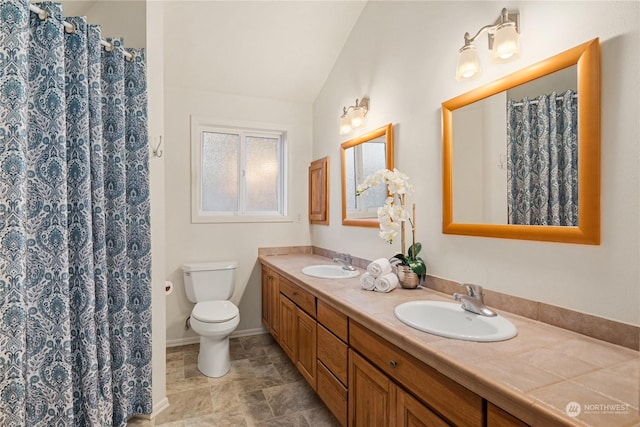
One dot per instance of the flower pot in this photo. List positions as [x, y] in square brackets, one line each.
[407, 277]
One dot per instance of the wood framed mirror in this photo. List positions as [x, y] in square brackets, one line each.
[483, 170]
[361, 157]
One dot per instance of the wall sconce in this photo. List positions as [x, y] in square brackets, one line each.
[353, 115]
[503, 42]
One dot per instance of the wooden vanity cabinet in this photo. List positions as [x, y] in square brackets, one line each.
[298, 328]
[288, 312]
[362, 378]
[372, 395]
[288, 333]
[271, 301]
[444, 396]
[306, 329]
[375, 400]
[333, 360]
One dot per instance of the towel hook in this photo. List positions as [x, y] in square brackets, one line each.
[157, 152]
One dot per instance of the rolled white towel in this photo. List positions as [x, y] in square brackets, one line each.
[379, 267]
[386, 282]
[367, 281]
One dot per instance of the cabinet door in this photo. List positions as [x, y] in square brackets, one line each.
[497, 417]
[372, 396]
[319, 191]
[306, 351]
[273, 303]
[288, 327]
[412, 413]
[265, 298]
[333, 393]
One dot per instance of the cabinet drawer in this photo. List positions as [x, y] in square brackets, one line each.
[333, 394]
[333, 320]
[302, 298]
[450, 399]
[333, 353]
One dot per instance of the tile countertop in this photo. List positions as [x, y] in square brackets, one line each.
[534, 375]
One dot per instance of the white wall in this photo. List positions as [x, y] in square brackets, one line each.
[187, 242]
[403, 55]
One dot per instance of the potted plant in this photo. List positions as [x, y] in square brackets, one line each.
[393, 216]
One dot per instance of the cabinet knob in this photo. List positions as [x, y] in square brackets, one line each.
[393, 364]
[295, 293]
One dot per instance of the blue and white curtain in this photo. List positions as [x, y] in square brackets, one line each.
[75, 295]
[542, 157]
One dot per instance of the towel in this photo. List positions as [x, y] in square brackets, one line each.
[386, 282]
[367, 281]
[379, 267]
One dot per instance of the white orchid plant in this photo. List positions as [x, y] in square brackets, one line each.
[393, 215]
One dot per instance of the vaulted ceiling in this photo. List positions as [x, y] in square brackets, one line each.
[267, 49]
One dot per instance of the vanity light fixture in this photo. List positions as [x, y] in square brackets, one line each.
[503, 42]
[353, 115]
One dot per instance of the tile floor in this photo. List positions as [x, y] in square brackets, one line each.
[263, 388]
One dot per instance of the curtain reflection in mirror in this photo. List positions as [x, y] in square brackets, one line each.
[542, 157]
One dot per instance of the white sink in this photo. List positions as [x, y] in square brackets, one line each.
[449, 319]
[329, 272]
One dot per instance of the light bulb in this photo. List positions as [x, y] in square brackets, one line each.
[506, 45]
[468, 63]
[357, 117]
[345, 124]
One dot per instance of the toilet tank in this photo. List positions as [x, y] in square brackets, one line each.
[209, 281]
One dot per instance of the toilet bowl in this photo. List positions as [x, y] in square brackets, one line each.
[214, 321]
[210, 285]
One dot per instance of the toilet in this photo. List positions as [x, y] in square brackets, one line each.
[210, 285]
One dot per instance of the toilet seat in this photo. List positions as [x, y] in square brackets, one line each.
[215, 311]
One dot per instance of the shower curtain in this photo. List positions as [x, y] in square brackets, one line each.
[542, 157]
[75, 298]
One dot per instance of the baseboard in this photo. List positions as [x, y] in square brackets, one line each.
[183, 341]
[236, 334]
[249, 332]
[157, 408]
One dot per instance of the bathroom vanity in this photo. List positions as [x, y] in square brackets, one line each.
[370, 369]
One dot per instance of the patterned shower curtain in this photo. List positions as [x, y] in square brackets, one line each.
[75, 297]
[542, 157]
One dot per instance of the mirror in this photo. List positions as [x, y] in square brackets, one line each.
[362, 156]
[495, 143]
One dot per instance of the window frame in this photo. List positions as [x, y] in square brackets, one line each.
[199, 125]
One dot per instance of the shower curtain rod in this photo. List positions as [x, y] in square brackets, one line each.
[70, 28]
[535, 101]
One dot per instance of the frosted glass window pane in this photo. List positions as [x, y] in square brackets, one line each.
[374, 158]
[362, 161]
[220, 153]
[262, 174]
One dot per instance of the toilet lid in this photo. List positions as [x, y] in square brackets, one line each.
[214, 311]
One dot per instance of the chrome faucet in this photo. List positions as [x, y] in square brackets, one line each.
[345, 260]
[474, 300]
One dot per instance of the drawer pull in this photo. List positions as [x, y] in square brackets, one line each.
[393, 364]
[295, 293]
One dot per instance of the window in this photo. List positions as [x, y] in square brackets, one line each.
[238, 173]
